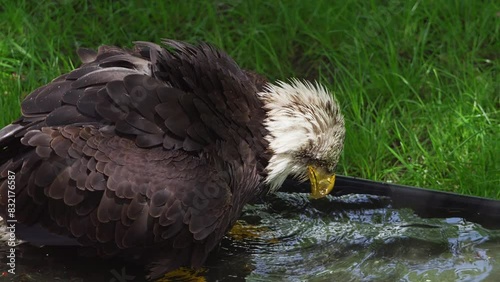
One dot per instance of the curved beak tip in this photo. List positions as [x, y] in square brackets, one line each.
[321, 183]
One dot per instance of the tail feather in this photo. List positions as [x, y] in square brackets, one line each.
[8, 133]
[9, 141]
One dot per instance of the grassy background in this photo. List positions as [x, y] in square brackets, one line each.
[418, 81]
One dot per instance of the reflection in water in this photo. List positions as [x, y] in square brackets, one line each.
[356, 238]
[290, 238]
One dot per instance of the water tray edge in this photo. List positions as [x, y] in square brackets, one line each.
[425, 202]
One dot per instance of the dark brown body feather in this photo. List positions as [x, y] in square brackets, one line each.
[149, 153]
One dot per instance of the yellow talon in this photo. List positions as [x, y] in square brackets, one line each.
[184, 274]
[243, 231]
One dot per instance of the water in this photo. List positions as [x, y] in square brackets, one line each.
[290, 238]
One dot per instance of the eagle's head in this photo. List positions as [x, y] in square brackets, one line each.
[306, 134]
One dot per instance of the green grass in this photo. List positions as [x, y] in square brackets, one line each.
[419, 81]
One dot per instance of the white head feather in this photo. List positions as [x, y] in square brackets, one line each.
[305, 128]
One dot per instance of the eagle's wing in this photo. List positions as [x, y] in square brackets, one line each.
[118, 89]
[138, 147]
[105, 191]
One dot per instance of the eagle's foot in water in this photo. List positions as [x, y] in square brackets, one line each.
[242, 231]
[184, 274]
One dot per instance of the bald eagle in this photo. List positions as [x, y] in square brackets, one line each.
[151, 153]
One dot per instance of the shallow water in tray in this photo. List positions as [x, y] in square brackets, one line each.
[290, 238]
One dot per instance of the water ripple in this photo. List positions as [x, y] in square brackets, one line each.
[356, 238]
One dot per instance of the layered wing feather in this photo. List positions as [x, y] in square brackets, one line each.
[139, 151]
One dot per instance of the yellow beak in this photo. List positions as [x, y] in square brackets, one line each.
[321, 182]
